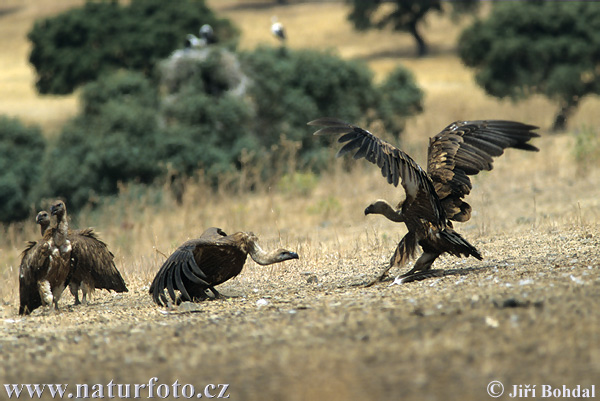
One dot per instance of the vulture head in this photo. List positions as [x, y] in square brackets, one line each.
[267, 258]
[283, 255]
[43, 219]
[58, 209]
[381, 206]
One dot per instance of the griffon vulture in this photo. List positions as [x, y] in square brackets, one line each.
[84, 262]
[45, 267]
[200, 264]
[29, 293]
[434, 198]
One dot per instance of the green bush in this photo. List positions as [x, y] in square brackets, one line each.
[537, 47]
[114, 140]
[219, 112]
[84, 43]
[586, 149]
[399, 98]
[21, 153]
[293, 87]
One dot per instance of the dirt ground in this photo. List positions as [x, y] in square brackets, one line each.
[528, 314]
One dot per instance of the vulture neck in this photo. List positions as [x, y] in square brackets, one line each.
[44, 226]
[384, 208]
[261, 256]
[62, 229]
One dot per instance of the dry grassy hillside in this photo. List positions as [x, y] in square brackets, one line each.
[527, 314]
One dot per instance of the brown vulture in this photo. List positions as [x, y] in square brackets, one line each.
[83, 262]
[200, 264]
[45, 267]
[434, 198]
[29, 293]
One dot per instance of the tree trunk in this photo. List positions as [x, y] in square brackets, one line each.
[422, 49]
[566, 110]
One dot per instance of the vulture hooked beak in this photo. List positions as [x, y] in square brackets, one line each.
[40, 217]
[55, 209]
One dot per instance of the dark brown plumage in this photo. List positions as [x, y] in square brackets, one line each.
[435, 197]
[200, 264]
[45, 265]
[93, 266]
[31, 267]
[64, 257]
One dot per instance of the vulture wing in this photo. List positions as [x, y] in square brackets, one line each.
[465, 148]
[31, 264]
[197, 265]
[396, 166]
[91, 255]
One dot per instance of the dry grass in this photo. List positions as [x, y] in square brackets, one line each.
[536, 221]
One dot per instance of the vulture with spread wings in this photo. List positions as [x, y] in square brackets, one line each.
[200, 264]
[434, 198]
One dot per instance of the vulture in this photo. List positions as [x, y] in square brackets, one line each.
[434, 198]
[45, 267]
[84, 262]
[200, 264]
[29, 295]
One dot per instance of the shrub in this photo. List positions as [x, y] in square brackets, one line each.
[84, 43]
[113, 140]
[21, 153]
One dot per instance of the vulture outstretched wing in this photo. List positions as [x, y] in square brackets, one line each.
[396, 166]
[465, 148]
[197, 265]
[91, 256]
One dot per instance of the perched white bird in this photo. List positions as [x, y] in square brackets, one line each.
[194, 42]
[207, 34]
[277, 29]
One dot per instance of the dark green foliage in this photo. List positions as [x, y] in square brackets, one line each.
[293, 87]
[21, 152]
[207, 118]
[546, 47]
[114, 140]
[81, 44]
[216, 112]
[403, 15]
[399, 98]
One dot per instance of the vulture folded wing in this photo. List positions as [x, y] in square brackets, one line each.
[465, 148]
[29, 295]
[396, 166]
[90, 254]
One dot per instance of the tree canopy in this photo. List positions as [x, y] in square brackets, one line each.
[401, 15]
[542, 47]
[21, 153]
[81, 44]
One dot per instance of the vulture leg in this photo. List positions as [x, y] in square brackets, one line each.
[403, 253]
[74, 288]
[215, 294]
[422, 264]
[45, 292]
